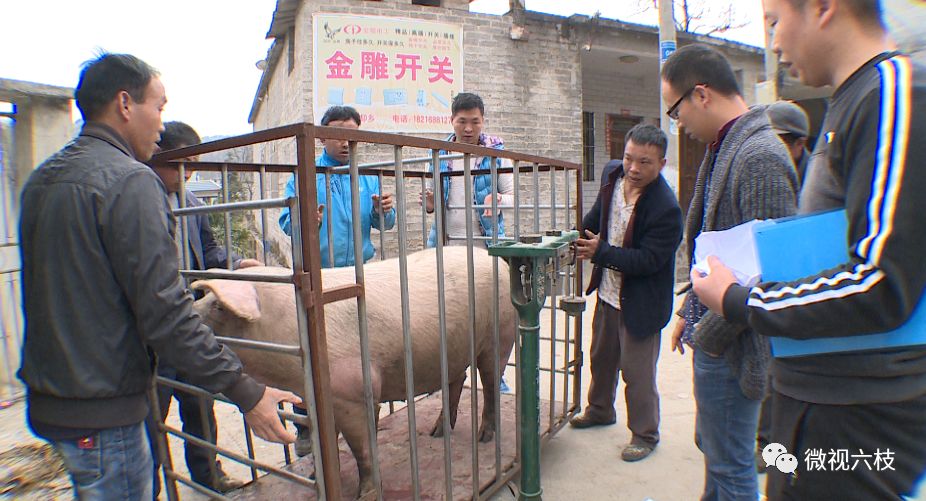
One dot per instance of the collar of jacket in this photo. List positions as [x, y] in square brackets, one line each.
[608, 198]
[106, 133]
[326, 160]
[618, 173]
[484, 140]
[747, 125]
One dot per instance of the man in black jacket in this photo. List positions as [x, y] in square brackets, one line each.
[101, 291]
[632, 233]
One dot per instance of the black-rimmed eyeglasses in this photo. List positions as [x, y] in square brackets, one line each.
[672, 112]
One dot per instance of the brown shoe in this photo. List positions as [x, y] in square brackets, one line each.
[586, 421]
[636, 452]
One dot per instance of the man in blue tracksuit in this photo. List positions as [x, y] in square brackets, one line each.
[337, 153]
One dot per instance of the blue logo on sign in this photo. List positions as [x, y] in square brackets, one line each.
[665, 50]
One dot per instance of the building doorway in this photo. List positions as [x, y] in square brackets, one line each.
[618, 127]
[690, 154]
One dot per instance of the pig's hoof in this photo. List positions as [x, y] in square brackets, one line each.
[367, 491]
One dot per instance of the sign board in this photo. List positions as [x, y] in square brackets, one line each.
[666, 48]
[400, 74]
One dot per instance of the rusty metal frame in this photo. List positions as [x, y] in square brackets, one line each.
[307, 275]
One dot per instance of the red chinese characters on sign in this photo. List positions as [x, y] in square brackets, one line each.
[374, 65]
[408, 62]
[339, 65]
[440, 69]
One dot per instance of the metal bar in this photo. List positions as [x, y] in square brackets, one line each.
[410, 161]
[209, 432]
[260, 345]
[424, 213]
[227, 217]
[552, 346]
[495, 320]
[442, 320]
[382, 220]
[341, 292]
[366, 136]
[471, 318]
[525, 206]
[517, 200]
[479, 238]
[365, 359]
[579, 287]
[264, 243]
[317, 372]
[270, 203]
[242, 459]
[569, 292]
[406, 321]
[262, 136]
[249, 443]
[228, 275]
[181, 222]
[329, 231]
[536, 198]
[170, 485]
[553, 199]
[566, 199]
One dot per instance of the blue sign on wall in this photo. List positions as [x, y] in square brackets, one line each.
[666, 48]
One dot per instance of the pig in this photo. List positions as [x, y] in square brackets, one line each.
[266, 312]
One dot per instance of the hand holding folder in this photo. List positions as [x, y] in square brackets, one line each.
[800, 246]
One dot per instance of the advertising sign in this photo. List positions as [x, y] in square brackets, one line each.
[400, 74]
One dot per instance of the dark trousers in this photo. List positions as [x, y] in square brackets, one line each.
[198, 459]
[615, 351]
[804, 428]
[764, 430]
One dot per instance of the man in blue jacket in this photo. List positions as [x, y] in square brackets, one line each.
[337, 153]
[632, 233]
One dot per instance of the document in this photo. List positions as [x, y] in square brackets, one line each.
[735, 247]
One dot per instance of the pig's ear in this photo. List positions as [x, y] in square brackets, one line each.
[237, 296]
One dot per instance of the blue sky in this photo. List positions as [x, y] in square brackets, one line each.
[206, 50]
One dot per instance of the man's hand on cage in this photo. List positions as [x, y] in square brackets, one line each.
[263, 418]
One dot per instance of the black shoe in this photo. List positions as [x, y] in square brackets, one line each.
[586, 421]
[223, 483]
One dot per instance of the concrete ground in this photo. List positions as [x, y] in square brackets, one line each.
[576, 464]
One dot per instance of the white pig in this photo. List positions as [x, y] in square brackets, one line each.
[266, 312]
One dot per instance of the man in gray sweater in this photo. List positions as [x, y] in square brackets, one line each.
[746, 174]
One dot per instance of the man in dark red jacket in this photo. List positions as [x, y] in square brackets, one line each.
[632, 233]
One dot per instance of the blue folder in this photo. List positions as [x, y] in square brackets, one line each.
[796, 247]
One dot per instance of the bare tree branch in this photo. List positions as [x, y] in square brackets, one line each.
[695, 16]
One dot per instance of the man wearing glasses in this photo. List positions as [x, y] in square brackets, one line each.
[746, 174]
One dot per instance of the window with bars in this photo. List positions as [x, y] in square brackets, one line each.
[588, 146]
